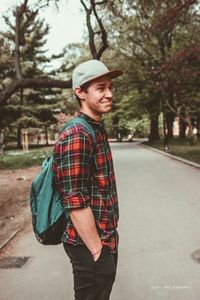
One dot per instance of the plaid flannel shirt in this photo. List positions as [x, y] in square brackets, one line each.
[85, 177]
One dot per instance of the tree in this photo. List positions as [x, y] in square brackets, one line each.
[24, 18]
[98, 30]
[31, 42]
[23, 11]
[146, 36]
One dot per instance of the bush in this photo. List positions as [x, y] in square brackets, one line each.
[181, 148]
[20, 159]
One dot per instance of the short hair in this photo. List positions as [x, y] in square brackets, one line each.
[84, 88]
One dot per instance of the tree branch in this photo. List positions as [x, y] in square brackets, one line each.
[101, 2]
[186, 120]
[141, 44]
[18, 14]
[95, 54]
[32, 83]
[103, 31]
[19, 31]
[170, 16]
[84, 5]
[90, 30]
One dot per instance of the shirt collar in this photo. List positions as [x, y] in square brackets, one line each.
[89, 119]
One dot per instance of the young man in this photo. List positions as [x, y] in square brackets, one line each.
[86, 181]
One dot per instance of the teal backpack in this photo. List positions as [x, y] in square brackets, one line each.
[48, 215]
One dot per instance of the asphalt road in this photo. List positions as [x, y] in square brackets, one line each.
[159, 229]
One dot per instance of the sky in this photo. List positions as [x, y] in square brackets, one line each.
[66, 26]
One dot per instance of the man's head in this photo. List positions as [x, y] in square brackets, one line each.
[91, 83]
[90, 70]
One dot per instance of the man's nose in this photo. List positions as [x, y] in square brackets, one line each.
[108, 93]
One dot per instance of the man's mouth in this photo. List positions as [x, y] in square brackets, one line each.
[107, 102]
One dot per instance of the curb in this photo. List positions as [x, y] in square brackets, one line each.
[185, 161]
[9, 239]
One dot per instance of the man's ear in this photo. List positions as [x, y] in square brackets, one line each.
[80, 93]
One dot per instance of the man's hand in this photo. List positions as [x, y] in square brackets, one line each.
[97, 254]
[83, 221]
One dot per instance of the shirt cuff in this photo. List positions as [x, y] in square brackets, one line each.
[75, 200]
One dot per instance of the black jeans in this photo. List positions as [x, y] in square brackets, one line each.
[92, 280]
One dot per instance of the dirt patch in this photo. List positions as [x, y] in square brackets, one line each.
[14, 200]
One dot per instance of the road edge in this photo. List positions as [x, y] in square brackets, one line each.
[12, 234]
[9, 239]
[182, 160]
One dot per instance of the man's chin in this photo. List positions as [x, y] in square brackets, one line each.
[108, 109]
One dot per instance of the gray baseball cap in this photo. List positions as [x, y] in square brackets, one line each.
[90, 70]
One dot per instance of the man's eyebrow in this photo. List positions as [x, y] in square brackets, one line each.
[100, 84]
[103, 85]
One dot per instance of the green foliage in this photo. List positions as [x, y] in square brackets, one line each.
[29, 108]
[20, 159]
[6, 65]
[157, 46]
[9, 113]
[26, 121]
[107, 121]
[182, 148]
[139, 126]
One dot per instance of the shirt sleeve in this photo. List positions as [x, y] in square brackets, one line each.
[73, 158]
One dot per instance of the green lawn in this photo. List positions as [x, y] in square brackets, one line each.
[16, 159]
[181, 148]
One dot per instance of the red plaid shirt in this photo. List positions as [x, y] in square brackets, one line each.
[85, 177]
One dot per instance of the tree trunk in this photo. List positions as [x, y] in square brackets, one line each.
[182, 128]
[154, 131]
[169, 117]
[198, 127]
[46, 135]
[19, 143]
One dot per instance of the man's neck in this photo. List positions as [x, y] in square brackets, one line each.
[96, 117]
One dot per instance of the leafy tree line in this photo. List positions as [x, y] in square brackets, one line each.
[156, 43]
[29, 93]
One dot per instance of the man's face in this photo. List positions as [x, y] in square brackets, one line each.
[98, 96]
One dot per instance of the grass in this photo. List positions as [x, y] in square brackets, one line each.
[17, 159]
[181, 148]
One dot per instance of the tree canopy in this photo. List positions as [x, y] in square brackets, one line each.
[156, 43]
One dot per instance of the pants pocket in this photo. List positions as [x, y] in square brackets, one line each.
[106, 264]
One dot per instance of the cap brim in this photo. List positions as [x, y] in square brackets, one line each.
[114, 73]
[111, 74]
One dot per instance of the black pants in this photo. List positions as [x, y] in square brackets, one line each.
[92, 280]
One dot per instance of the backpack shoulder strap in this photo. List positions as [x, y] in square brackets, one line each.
[86, 125]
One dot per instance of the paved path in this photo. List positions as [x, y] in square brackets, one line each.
[159, 229]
